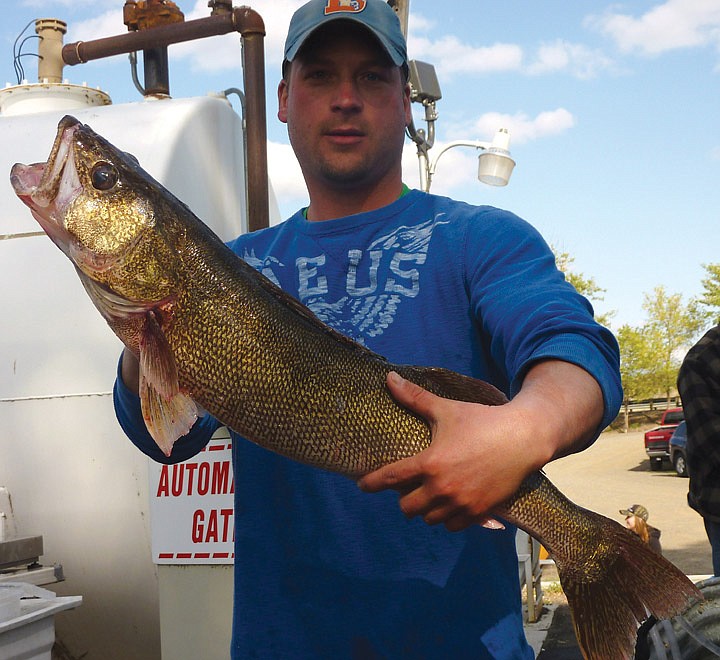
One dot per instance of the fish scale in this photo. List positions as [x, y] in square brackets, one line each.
[209, 330]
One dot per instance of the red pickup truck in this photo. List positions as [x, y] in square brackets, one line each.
[657, 440]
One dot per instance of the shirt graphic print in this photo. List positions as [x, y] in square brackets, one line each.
[377, 280]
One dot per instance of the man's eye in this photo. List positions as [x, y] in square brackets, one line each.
[376, 76]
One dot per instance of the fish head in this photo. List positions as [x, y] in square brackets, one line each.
[126, 236]
[102, 210]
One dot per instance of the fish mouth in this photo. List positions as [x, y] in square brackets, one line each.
[48, 188]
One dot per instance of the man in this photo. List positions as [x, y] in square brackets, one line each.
[699, 387]
[324, 570]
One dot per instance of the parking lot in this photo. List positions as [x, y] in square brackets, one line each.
[615, 473]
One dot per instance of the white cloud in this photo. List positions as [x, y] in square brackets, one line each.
[417, 23]
[522, 127]
[671, 25]
[450, 56]
[212, 55]
[107, 24]
[286, 177]
[561, 55]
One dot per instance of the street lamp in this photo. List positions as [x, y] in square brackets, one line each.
[495, 165]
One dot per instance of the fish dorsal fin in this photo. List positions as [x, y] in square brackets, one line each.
[456, 386]
[168, 412]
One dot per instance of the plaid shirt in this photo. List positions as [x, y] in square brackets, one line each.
[699, 386]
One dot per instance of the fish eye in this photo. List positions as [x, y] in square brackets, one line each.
[104, 176]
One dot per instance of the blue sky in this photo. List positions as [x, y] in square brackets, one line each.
[613, 109]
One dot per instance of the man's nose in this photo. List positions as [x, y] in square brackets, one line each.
[347, 96]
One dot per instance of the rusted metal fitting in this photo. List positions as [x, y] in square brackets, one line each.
[145, 14]
[220, 7]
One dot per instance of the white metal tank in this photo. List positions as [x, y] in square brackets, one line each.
[73, 476]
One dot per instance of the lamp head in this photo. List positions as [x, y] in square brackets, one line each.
[495, 164]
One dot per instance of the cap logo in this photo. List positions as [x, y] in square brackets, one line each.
[349, 6]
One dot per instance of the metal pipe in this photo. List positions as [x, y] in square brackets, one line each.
[50, 65]
[252, 30]
[257, 170]
[157, 72]
[242, 19]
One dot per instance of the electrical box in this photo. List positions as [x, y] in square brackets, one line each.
[424, 82]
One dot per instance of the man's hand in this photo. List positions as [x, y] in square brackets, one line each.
[479, 454]
[475, 460]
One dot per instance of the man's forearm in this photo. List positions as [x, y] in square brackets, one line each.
[130, 371]
[569, 402]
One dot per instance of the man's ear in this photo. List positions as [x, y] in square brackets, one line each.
[282, 101]
[408, 105]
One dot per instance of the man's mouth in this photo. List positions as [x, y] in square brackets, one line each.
[345, 135]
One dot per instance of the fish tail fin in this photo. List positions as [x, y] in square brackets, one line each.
[627, 582]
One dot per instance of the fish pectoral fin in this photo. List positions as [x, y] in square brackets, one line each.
[157, 362]
[168, 412]
[111, 305]
[167, 419]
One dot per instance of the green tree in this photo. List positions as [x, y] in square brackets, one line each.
[669, 331]
[637, 367]
[586, 286]
[710, 297]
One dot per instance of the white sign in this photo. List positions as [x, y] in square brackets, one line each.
[191, 507]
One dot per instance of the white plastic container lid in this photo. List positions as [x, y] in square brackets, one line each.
[31, 603]
[10, 595]
[44, 97]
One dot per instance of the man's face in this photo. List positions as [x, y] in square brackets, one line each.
[346, 107]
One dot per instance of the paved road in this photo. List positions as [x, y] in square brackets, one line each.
[615, 473]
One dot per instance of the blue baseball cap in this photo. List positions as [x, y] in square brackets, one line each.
[376, 15]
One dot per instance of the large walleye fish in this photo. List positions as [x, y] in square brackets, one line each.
[211, 331]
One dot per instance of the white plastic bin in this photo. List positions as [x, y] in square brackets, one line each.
[27, 620]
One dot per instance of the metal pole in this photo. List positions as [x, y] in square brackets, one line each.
[402, 9]
[156, 70]
[257, 170]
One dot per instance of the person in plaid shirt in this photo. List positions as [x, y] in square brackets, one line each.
[699, 387]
